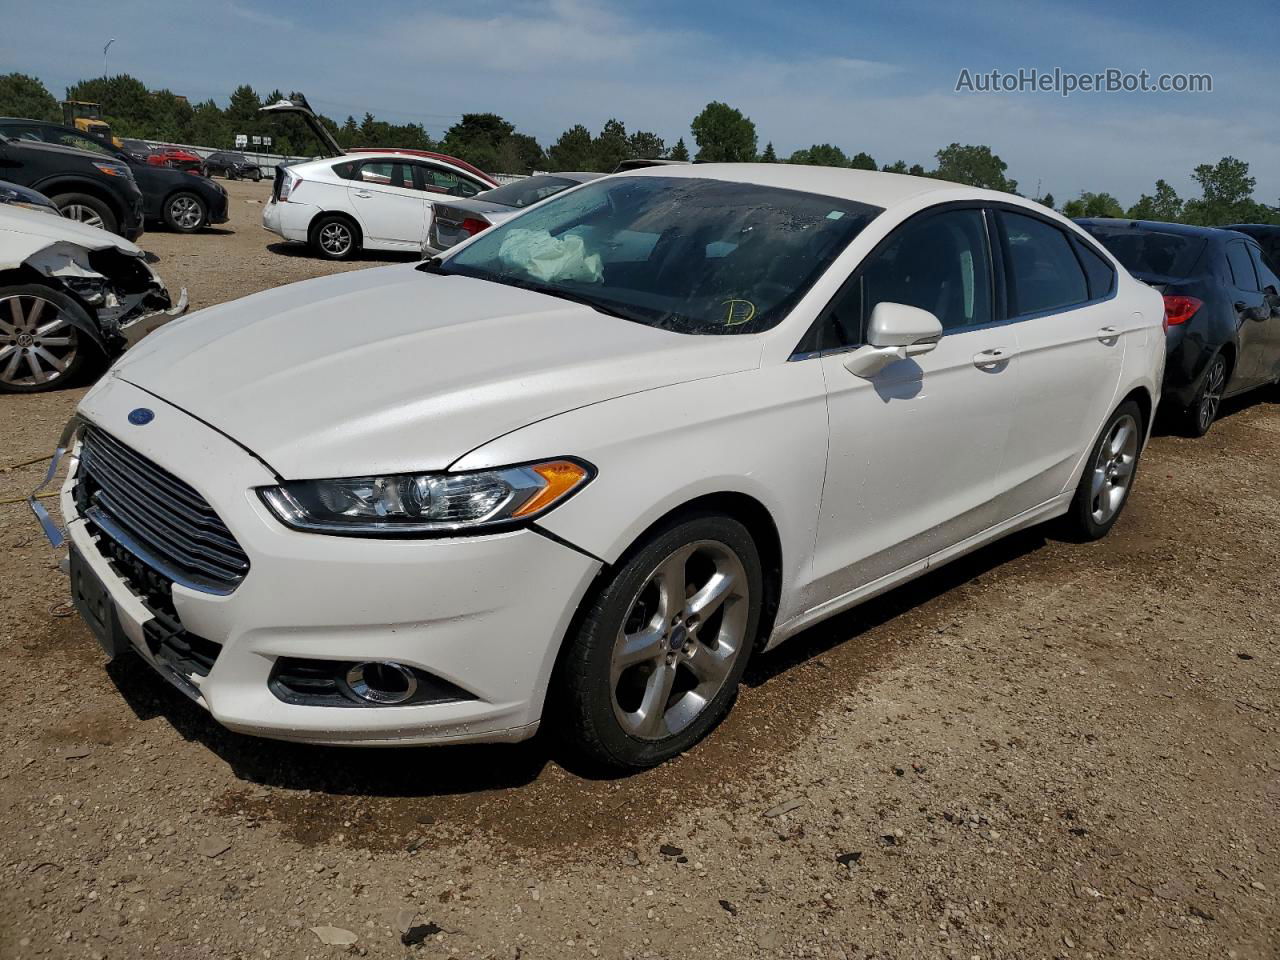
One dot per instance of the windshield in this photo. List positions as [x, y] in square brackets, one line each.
[691, 255]
[1150, 251]
[524, 193]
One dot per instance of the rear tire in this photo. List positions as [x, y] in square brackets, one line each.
[1203, 410]
[1108, 476]
[655, 661]
[334, 237]
[87, 209]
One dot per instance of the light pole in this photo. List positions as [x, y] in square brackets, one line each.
[104, 57]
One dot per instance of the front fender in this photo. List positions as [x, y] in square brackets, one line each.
[760, 432]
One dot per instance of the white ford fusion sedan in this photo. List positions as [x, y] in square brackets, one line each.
[586, 465]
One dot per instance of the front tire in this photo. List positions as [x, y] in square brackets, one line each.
[40, 347]
[1108, 477]
[185, 213]
[334, 237]
[656, 660]
[87, 210]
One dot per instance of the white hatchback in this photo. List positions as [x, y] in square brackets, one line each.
[367, 199]
[584, 466]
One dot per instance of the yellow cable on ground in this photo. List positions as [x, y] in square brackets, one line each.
[41, 496]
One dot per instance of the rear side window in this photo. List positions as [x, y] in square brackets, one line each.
[1100, 274]
[1241, 266]
[1150, 253]
[1266, 271]
[347, 171]
[1044, 274]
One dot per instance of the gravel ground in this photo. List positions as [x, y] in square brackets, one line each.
[1045, 750]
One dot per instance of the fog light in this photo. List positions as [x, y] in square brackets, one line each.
[383, 681]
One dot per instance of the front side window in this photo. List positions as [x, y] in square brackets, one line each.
[439, 180]
[940, 264]
[1241, 266]
[1044, 274]
[688, 254]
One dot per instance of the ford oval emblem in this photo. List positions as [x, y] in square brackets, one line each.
[141, 416]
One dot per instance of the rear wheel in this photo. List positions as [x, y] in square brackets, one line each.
[1108, 476]
[334, 237]
[185, 213]
[1199, 416]
[40, 348]
[656, 661]
[87, 210]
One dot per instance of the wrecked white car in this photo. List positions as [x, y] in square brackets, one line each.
[71, 297]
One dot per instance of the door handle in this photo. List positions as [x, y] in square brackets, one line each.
[362, 195]
[1108, 333]
[992, 358]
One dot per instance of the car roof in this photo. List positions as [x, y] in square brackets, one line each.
[864, 186]
[1183, 229]
[1269, 229]
[429, 154]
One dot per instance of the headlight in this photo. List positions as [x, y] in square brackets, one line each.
[424, 503]
[113, 169]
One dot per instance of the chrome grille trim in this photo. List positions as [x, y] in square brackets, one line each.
[158, 518]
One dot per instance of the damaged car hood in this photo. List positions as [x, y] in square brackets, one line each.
[26, 232]
[393, 370]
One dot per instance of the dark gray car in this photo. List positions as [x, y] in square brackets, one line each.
[455, 221]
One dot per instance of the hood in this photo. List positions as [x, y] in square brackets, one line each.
[393, 370]
[24, 232]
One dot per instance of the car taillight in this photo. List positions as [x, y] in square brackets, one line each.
[1179, 309]
[474, 225]
[291, 183]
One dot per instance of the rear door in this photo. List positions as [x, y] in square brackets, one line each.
[1071, 342]
[391, 209]
[1269, 358]
[1251, 324]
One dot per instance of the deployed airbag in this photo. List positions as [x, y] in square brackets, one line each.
[544, 257]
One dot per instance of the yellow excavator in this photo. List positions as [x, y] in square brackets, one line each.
[86, 117]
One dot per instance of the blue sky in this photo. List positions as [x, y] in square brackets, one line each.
[868, 76]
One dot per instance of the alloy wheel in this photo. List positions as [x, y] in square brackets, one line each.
[83, 214]
[186, 212]
[683, 633]
[37, 343]
[1211, 397]
[335, 238]
[1113, 469]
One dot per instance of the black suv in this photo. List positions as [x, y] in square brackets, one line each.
[185, 202]
[233, 166]
[89, 187]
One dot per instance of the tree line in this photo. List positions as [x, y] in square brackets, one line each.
[720, 133]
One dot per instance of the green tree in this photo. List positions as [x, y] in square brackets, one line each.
[349, 132]
[1165, 205]
[1226, 195]
[645, 145]
[679, 151]
[974, 165]
[1093, 205]
[477, 138]
[723, 134]
[572, 151]
[862, 161]
[125, 102]
[916, 170]
[768, 156]
[820, 155]
[242, 111]
[26, 97]
[898, 166]
[611, 147]
[1047, 200]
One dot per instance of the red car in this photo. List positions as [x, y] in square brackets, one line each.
[177, 157]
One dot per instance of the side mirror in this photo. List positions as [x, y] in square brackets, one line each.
[894, 332]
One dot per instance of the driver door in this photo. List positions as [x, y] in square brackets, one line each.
[916, 450]
[390, 208]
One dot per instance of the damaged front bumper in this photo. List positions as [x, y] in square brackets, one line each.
[138, 327]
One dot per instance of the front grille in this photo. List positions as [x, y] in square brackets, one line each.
[155, 516]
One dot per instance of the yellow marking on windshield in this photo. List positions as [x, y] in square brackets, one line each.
[739, 312]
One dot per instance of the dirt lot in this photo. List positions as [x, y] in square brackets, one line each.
[1047, 750]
